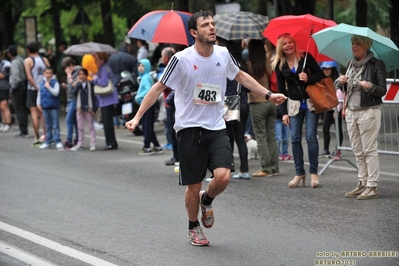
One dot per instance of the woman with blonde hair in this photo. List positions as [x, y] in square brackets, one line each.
[292, 78]
[364, 86]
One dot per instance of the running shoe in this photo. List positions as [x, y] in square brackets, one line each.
[207, 217]
[197, 237]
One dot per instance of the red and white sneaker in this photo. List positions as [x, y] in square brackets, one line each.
[207, 217]
[197, 237]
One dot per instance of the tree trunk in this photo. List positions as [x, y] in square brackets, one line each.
[394, 20]
[361, 13]
[55, 13]
[262, 7]
[181, 5]
[106, 13]
[7, 37]
[304, 7]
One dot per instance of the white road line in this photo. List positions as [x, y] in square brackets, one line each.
[55, 246]
[22, 255]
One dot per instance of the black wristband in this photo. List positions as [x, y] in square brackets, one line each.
[267, 96]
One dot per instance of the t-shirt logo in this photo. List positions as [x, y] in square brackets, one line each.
[195, 67]
[218, 64]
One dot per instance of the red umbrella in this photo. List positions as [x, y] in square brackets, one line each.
[301, 28]
[165, 26]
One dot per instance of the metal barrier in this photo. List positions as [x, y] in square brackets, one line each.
[388, 137]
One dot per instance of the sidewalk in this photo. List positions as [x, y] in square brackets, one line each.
[388, 163]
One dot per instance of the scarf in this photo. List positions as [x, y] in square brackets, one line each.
[355, 74]
[89, 99]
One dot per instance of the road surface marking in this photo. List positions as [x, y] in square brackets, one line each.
[54, 246]
[22, 255]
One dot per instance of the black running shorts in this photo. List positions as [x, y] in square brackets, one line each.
[201, 149]
[4, 95]
[31, 98]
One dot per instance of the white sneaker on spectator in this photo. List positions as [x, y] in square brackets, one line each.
[6, 128]
[98, 126]
[59, 146]
[76, 148]
[44, 146]
[92, 148]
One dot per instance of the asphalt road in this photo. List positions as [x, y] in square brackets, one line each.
[119, 208]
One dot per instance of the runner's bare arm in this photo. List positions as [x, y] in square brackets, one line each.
[249, 82]
[148, 101]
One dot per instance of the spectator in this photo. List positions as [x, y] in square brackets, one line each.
[146, 82]
[236, 129]
[34, 69]
[292, 79]
[5, 66]
[89, 63]
[364, 85]
[72, 70]
[106, 103]
[142, 52]
[263, 113]
[18, 90]
[86, 106]
[157, 54]
[49, 91]
[244, 46]
[330, 70]
[120, 62]
[167, 54]
[282, 131]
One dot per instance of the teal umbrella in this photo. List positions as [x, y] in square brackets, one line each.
[335, 42]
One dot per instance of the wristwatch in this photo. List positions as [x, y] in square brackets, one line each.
[267, 96]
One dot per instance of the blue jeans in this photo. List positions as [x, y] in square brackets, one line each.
[311, 120]
[52, 122]
[281, 137]
[71, 122]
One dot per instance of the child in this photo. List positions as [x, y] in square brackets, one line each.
[49, 91]
[86, 107]
[330, 70]
[71, 69]
[146, 82]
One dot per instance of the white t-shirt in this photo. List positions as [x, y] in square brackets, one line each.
[200, 86]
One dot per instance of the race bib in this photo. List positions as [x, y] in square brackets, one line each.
[207, 94]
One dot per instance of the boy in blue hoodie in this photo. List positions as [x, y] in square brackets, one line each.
[49, 92]
[146, 83]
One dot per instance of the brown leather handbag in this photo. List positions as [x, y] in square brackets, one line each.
[323, 95]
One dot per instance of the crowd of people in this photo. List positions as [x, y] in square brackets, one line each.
[271, 81]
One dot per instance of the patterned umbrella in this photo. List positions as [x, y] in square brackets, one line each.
[163, 26]
[240, 25]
